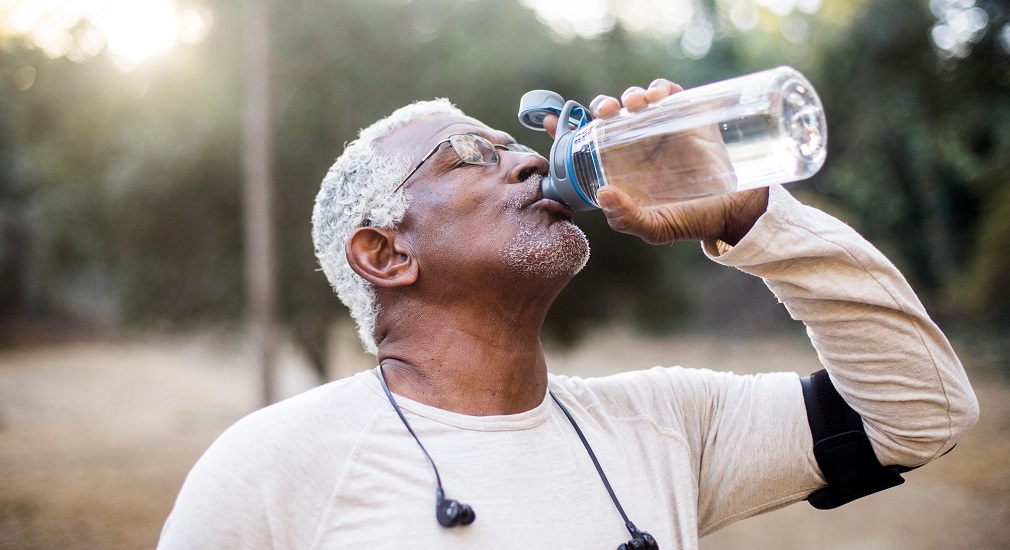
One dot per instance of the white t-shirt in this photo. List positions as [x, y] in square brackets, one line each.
[687, 451]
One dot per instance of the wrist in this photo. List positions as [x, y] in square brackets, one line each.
[743, 212]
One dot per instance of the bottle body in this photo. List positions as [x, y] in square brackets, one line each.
[748, 132]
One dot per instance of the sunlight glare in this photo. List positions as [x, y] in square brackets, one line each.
[960, 24]
[744, 16]
[569, 18]
[690, 23]
[137, 30]
[194, 25]
[131, 31]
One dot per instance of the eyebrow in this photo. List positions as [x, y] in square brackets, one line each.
[497, 137]
[494, 136]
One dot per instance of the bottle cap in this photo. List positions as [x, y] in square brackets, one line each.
[535, 105]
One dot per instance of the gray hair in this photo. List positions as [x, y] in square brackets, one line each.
[362, 185]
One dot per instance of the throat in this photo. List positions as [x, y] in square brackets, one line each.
[466, 379]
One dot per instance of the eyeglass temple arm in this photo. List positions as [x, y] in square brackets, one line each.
[419, 163]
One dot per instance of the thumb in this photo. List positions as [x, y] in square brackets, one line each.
[622, 213]
[551, 124]
[653, 225]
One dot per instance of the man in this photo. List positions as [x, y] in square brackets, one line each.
[448, 258]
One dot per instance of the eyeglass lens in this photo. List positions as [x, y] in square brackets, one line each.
[474, 149]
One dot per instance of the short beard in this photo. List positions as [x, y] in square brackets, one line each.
[563, 250]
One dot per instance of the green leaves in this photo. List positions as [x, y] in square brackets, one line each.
[132, 179]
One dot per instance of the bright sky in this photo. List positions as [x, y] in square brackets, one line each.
[130, 30]
[683, 20]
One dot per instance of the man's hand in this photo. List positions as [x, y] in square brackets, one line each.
[726, 217]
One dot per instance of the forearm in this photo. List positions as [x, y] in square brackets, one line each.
[888, 360]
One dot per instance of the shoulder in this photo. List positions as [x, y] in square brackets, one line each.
[639, 385]
[327, 418]
[677, 390]
[277, 463]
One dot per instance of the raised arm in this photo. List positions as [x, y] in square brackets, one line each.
[886, 357]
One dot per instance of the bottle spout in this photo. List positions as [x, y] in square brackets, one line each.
[558, 188]
[549, 191]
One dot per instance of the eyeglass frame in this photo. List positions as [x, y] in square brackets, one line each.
[494, 147]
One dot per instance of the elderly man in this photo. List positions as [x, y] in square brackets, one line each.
[433, 231]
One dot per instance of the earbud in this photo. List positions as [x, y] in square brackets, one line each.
[451, 512]
[643, 541]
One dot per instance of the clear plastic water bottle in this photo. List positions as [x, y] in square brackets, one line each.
[747, 132]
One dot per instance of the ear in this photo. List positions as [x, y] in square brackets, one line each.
[377, 256]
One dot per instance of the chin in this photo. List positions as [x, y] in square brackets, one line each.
[561, 251]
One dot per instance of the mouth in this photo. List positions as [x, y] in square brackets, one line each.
[554, 208]
[537, 201]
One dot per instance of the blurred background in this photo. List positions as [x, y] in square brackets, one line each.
[159, 160]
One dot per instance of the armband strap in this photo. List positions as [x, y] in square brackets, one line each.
[841, 447]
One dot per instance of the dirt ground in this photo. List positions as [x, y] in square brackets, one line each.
[96, 438]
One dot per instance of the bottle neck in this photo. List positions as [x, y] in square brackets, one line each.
[586, 170]
[575, 171]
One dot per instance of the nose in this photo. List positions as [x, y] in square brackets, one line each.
[526, 165]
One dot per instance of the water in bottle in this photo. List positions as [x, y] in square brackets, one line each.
[748, 132]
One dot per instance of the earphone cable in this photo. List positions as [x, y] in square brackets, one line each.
[396, 407]
[599, 469]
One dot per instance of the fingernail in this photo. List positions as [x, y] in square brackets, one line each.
[632, 90]
[606, 202]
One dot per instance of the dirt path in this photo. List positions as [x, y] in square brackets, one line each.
[96, 438]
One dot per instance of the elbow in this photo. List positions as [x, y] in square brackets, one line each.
[925, 438]
[949, 429]
[963, 417]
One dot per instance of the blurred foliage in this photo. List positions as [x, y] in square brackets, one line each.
[120, 192]
[920, 146]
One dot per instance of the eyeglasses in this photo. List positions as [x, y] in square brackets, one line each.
[471, 149]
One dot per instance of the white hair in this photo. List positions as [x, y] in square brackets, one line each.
[361, 185]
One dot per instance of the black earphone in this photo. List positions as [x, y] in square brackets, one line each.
[451, 513]
[448, 512]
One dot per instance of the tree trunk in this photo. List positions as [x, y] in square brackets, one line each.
[261, 269]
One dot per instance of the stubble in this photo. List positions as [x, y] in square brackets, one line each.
[558, 249]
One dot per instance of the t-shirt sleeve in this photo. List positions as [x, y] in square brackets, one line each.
[754, 446]
[267, 480]
[885, 356]
[223, 491]
[747, 435]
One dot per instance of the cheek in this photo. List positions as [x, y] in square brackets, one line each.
[466, 219]
[464, 239]
[459, 223]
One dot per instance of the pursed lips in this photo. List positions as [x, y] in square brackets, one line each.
[555, 208]
[536, 201]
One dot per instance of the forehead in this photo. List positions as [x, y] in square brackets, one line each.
[418, 136]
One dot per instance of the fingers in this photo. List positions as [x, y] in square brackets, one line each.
[633, 99]
[659, 89]
[604, 107]
[622, 213]
[551, 124]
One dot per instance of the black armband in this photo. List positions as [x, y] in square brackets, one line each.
[841, 447]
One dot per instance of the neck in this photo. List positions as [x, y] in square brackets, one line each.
[465, 356]
[470, 380]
